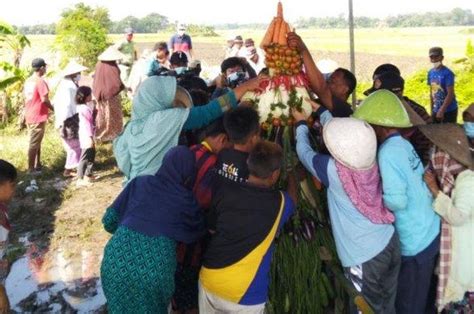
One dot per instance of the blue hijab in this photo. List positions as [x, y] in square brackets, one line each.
[164, 204]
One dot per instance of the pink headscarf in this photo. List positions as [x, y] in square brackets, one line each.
[364, 189]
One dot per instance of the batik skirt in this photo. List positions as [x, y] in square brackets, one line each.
[137, 272]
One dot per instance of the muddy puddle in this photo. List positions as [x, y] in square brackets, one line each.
[55, 282]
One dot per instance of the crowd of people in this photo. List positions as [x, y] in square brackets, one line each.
[193, 229]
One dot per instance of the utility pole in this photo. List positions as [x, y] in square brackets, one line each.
[351, 39]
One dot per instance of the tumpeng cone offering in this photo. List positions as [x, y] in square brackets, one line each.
[287, 85]
[306, 274]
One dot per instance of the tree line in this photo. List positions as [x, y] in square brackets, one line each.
[151, 23]
[155, 22]
[456, 17]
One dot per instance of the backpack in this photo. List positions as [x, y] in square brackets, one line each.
[70, 129]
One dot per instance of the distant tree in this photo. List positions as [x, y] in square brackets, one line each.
[82, 33]
[365, 22]
[129, 21]
[153, 23]
[101, 15]
[196, 30]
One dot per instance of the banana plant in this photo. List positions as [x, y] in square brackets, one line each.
[14, 41]
[12, 75]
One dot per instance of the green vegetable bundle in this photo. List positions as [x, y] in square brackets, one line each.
[306, 276]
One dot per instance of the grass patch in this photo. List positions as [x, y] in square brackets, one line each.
[14, 148]
[55, 217]
[417, 89]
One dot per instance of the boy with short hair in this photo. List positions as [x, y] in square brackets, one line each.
[242, 127]
[215, 140]
[8, 177]
[236, 265]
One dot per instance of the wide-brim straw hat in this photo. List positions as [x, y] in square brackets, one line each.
[111, 54]
[182, 99]
[414, 117]
[470, 110]
[352, 142]
[73, 67]
[451, 138]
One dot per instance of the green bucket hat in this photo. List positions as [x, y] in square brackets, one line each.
[383, 108]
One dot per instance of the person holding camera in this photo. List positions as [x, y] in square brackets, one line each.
[234, 71]
[160, 58]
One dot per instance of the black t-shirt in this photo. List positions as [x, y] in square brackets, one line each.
[341, 109]
[237, 261]
[232, 165]
[245, 214]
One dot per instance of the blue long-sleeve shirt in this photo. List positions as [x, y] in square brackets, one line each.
[406, 195]
[153, 67]
[358, 240]
[203, 115]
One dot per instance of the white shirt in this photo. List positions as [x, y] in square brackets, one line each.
[64, 101]
[238, 52]
[257, 66]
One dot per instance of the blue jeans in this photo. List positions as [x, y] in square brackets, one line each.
[415, 278]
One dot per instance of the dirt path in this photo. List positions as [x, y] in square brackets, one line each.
[57, 245]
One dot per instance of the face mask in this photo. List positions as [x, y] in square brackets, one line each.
[180, 70]
[469, 128]
[436, 64]
[77, 78]
[180, 33]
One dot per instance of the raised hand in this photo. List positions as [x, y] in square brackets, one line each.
[295, 41]
[298, 115]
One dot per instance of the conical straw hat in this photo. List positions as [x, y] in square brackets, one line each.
[73, 67]
[451, 138]
[111, 54]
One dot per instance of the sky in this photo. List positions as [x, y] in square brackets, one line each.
[223, 11]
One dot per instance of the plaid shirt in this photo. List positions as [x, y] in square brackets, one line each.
[445, 169]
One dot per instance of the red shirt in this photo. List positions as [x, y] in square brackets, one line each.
[35, 110]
